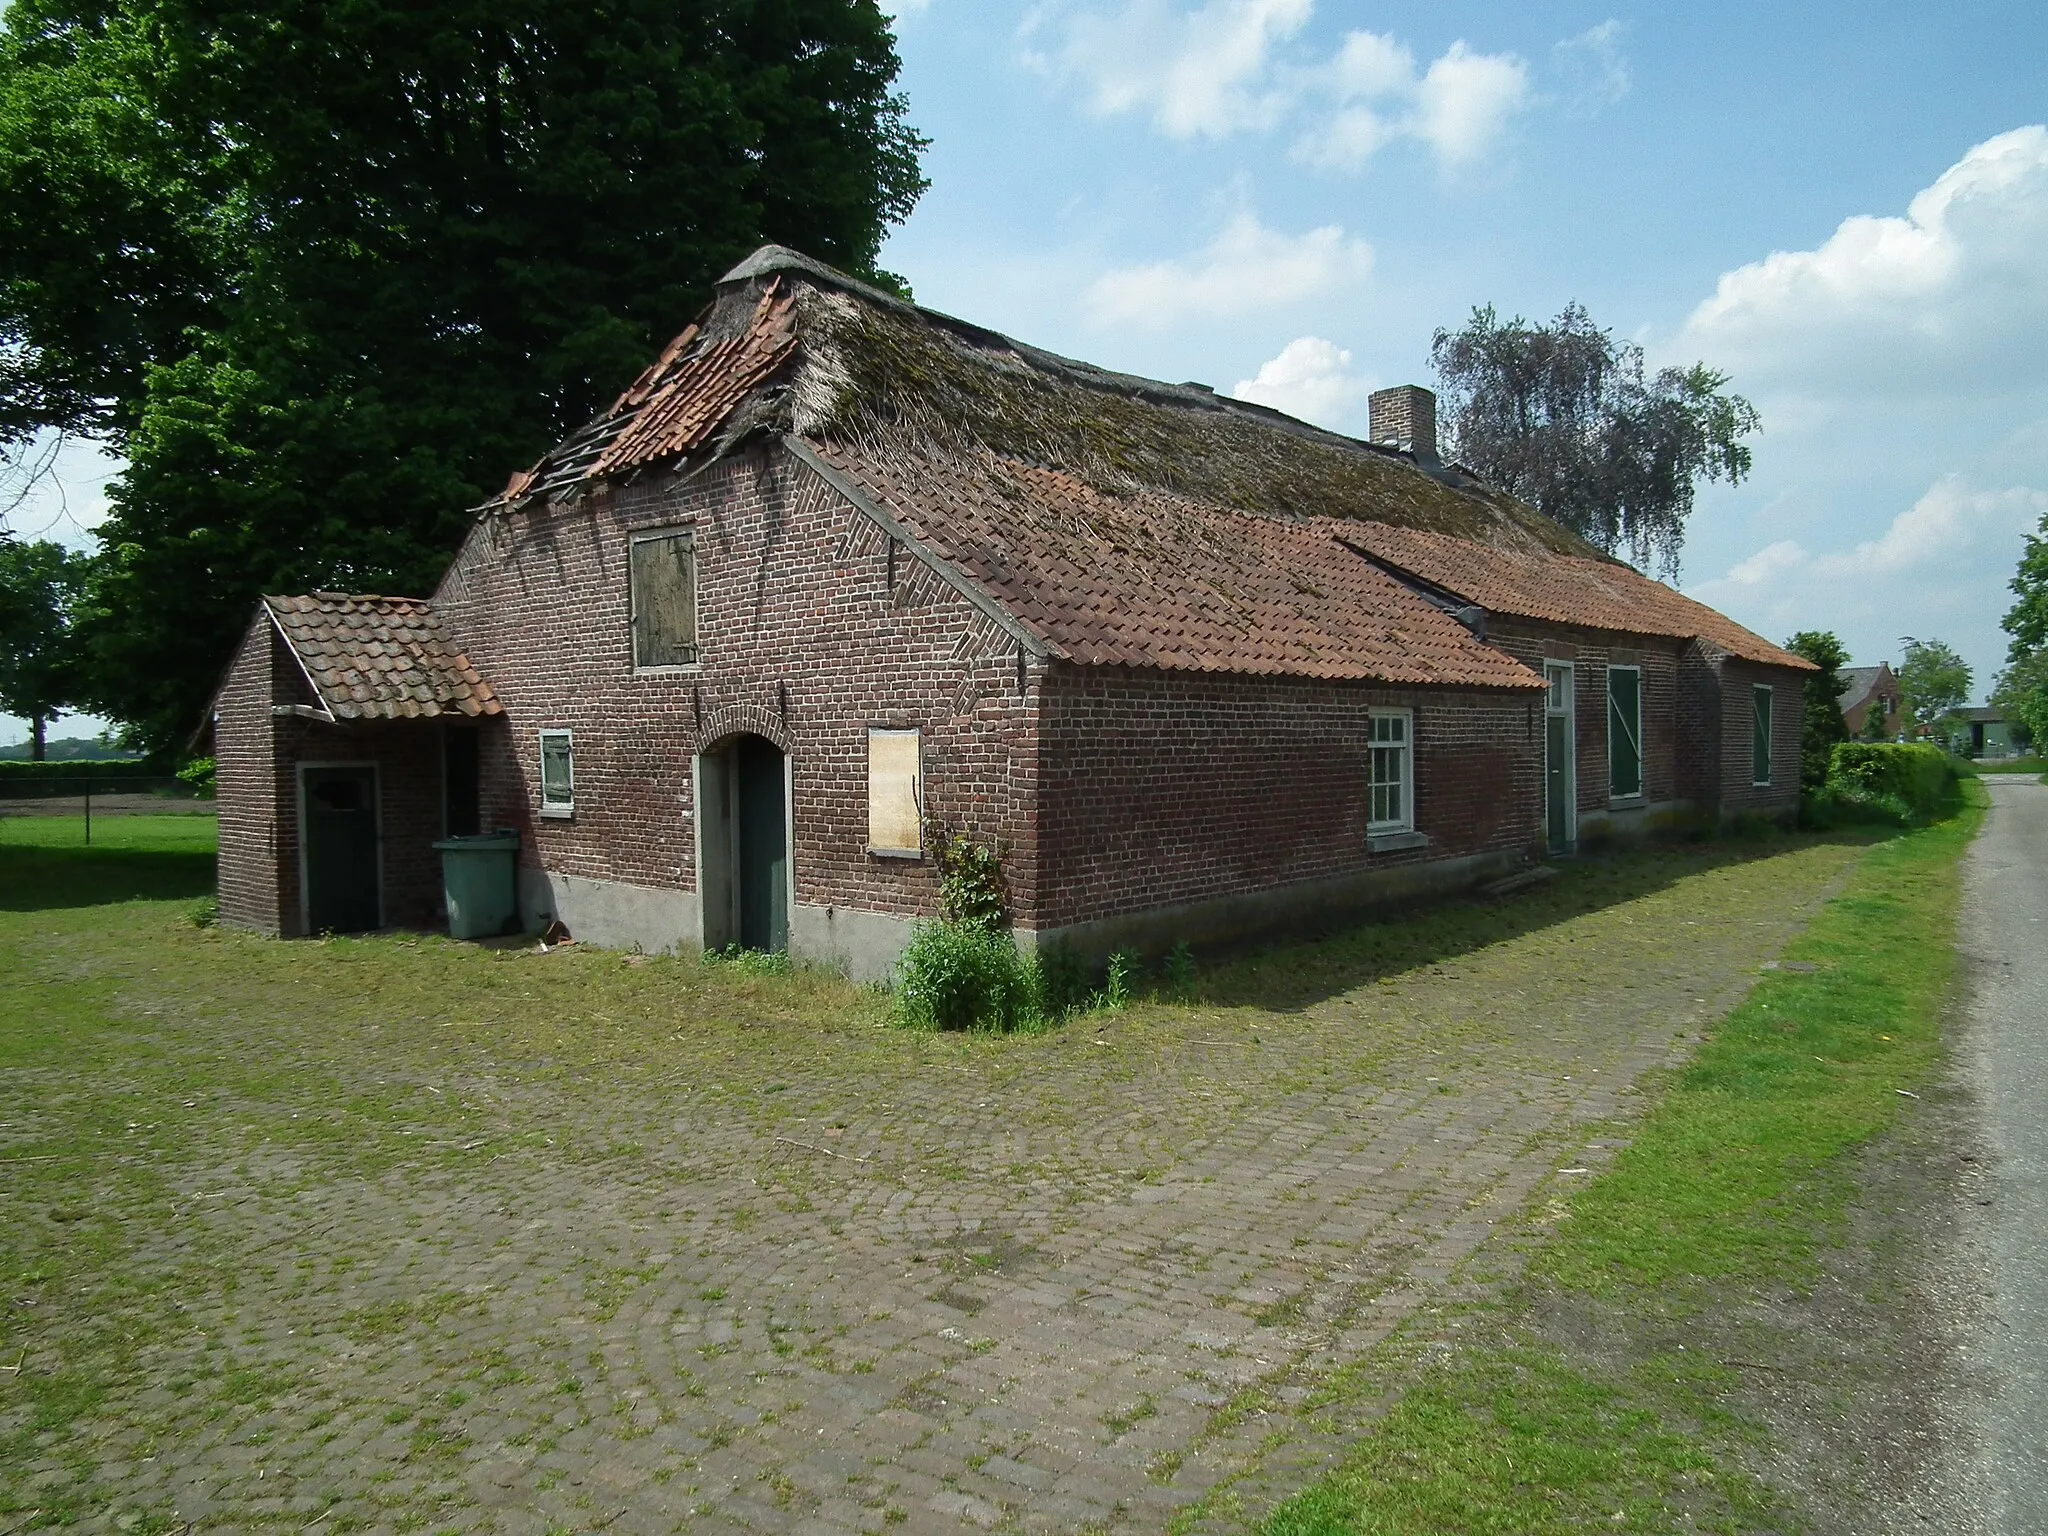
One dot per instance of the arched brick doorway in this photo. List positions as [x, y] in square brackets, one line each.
[743, 844]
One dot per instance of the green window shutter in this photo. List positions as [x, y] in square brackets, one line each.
[1624, 731]
[1760, 737]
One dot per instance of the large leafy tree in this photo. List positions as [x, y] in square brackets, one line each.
[1933, 682]
[324, 273]
[2022, 689]
[1570, 420]
[1822, 725]
[41, 671]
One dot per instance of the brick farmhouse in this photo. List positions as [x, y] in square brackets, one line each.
[1868, 692]
[837, 573]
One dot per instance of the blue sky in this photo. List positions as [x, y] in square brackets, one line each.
[1846, 207]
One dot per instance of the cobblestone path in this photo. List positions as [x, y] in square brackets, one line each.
[400, 1236]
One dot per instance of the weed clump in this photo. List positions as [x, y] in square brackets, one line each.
[750, 962]
[967, 976]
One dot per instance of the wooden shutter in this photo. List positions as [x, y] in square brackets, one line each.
[895, 816]
[1624, 731]
[664, 582]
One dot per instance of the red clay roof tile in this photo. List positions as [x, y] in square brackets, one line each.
[1593, 594]
[380, 657]
[1155, 580]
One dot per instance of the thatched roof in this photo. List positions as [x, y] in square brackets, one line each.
[791, 345]
[902, 397]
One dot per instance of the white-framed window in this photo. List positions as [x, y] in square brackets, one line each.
[1760, 735]
[662, 576]
[557, 773]
[895, 793]
[1393, 772]
[1624, 732]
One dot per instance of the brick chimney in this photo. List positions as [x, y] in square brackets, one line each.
[1405, 417]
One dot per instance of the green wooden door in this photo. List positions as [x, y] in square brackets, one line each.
[1557, 777]
[764, 846]
[341, 850]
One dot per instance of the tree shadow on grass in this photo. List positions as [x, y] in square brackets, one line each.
[34, 879]
[1293, 975]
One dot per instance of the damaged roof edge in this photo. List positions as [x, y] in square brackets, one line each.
[773, 260]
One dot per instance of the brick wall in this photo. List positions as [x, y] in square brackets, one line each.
[1739, 795]
[1592, 652]
[246, 776]
[1167, 788]
[809, 632]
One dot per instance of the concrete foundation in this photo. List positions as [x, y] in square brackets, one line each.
[863, 946]
[609, 913]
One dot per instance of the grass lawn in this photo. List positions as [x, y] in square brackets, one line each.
[323, 1231]
[1726, 1194]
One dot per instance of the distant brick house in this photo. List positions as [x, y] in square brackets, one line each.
[1868, 691]
[836, 571]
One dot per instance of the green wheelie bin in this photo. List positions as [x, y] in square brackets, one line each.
[478, 875]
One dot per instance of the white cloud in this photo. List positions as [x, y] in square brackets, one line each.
[1941, 529]
[1311, 378]
[1466, 100]
[1767, 563]
[1247, 267]
[1206, 72]
[1460, 106]
[1591, 68]
[1951, 297]
[1221, 69]
[1938, 568]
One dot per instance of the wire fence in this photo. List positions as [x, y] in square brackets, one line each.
[100, 798]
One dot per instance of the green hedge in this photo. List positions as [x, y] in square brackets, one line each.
[1923, 777]
[80, 768]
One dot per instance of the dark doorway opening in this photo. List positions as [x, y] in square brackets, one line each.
[743, 845]
[338, 808]
[461, 783]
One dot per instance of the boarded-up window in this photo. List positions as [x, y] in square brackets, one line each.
[664, 579]
[557, 774]
[1393, 802]
[895, 793]
[1760, 735]
[1624, 731]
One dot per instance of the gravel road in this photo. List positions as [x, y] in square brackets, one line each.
[1999, 1476]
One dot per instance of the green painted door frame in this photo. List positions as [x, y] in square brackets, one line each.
[1560, 757]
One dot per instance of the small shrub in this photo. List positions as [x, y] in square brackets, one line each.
[199, 774]
[1063, 982]
[970, 879]
[206, 914]
[966, 976]
[1180, 970]
[1848, 805]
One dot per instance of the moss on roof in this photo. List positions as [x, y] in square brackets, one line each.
[889, 374]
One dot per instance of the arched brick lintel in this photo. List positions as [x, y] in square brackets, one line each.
[721, 722]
